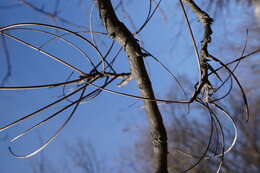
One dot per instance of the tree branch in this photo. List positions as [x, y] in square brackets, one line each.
[119, 32]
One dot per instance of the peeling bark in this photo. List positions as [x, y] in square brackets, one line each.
[119, 32]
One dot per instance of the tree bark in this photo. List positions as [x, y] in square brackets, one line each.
[119, 32]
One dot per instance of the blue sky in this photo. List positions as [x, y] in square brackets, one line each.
[108, 120]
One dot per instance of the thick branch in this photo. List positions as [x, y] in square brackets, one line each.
[119, 32]
[205, 19]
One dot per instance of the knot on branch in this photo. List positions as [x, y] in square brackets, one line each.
[158, 139]
[205, 19]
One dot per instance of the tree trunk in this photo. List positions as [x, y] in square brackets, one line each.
[119, 32]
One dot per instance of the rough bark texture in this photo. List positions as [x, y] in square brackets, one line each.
[119, 32]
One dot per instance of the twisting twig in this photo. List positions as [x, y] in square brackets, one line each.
[238, 83]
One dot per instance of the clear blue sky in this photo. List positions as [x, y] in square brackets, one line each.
[111, 123]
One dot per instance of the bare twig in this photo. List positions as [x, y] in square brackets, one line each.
[8, 62]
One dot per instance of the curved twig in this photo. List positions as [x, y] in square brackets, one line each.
[205, 151]
[192, 36]
[44, 52]
[238, 83]
[55, 27]
[51, 138]
[39, 110]
[168, 70]
[149, 16]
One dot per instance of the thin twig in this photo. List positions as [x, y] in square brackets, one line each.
[8, 62]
